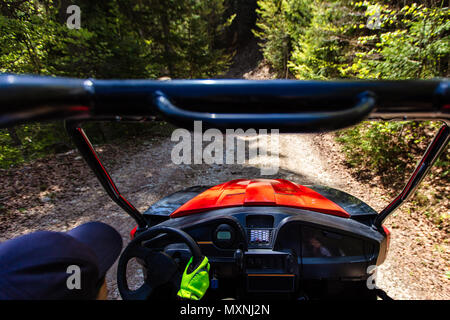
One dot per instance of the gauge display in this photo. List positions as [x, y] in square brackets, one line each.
[224, 235]
[259, 236]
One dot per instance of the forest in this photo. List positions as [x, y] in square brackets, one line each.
[187, 39]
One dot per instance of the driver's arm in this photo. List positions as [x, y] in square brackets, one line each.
[194, 283]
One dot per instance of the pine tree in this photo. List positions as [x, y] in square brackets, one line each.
[280, 23]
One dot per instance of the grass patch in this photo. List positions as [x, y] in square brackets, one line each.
[24, 143]
[387, 153]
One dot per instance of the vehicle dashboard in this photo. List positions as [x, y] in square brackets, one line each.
[276, 248]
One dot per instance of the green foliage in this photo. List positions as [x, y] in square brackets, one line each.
[196, 33]
[389, 149]
[325, 39]
[36, 140]
[382, 147]
[412, 42]
[23, 37]
[32, 141]
[9, 153]
[280, 23]
[319, 52]
[117, 39]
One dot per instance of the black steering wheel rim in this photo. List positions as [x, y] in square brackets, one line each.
[135, 250]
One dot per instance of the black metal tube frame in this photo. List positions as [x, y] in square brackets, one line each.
[87, 151]
[289, 105]
[435, 148]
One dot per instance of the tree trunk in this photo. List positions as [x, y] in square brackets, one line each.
[166, 41]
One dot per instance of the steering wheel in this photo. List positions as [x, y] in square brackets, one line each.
[161, 268]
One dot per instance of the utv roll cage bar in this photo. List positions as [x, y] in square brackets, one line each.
[288, 105]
